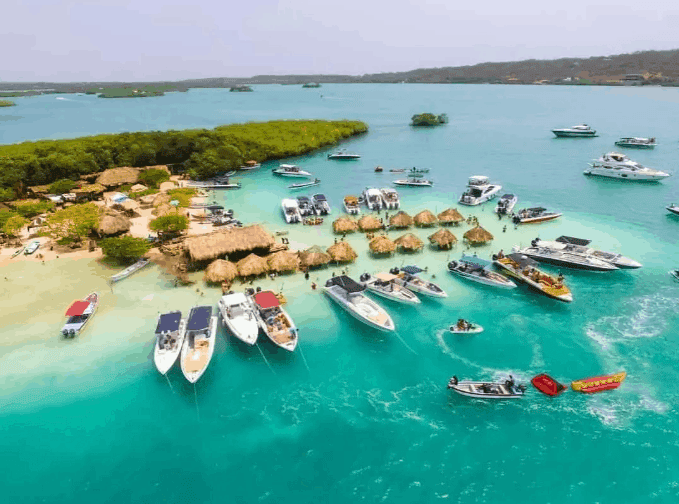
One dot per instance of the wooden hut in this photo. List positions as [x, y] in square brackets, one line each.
[283, 261]
[342, 252]
[252, 265]
[443, 238]
[425, 219]
[113, 224]
[382, 245]
[344, 225]
[88, 192]
[220, 271]
[161, 199]
[313, 257]
[478, 236]
[450, 216]
[114, 177]
[409, 243]
[369, 223]
[401, 220]
[236, 242]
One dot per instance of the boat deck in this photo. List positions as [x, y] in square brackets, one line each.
[197, 357]
[280, 331]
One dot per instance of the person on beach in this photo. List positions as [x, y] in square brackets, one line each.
[313, 285]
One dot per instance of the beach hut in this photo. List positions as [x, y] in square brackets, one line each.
[88, 191]
[409, 243]
[342, 252]
[220, 271]
[401, 220]
[161, 199]
[450, 216]
[113, 224]
[313, 257]
[252, 265]
[283, 262]
[233, 242]
[344, 225]
[114, 177]
[443, 238]
[369, 223]
[138, 188]
[425, 219]
[164, 209]
[478, 236]
[382, 245]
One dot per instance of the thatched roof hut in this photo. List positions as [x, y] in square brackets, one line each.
[342, 252]
[88, 189]
[369, 223]
[409, 242]
[283, 261]
[138, 188]
[252, 265]
[114, 177]
[161, 199]
[478, 236]
[113, 224]
[401, 220]
[236, 241]
[344, 225]
[313, 256]
[220, 271]
[450, 216]
[167, 185]
[164, 209]
[443, 238]
[382, 245]
[425, 218]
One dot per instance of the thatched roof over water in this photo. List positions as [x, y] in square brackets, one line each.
[344, 225]
[313, 256]
[401, 220]
[382, 245]
[252, 265]
[283, 261]
[228, 241]
[443, 238]
[113, 224]
[342, 252]
[114, 177]
[478, 235]
[369, 223]
[425, 218]
[450, 216]
[220, 271]
[409, 242]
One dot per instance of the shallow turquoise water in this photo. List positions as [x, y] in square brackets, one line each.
[358, 416]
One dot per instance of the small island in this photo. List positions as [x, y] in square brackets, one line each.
[311, 85]
[135, 92]
[428, 119]
[6, 103]
[240, 89]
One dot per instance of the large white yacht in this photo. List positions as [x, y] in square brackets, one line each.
[348, 294]
[390, 198]
[239, 316]
[579, 131]
[637, 142]
[617, 165]
[407, 277]
[291, 210]
[382, 284]
[372, 198]
[479, 190]
[288, 170]
[579, 246]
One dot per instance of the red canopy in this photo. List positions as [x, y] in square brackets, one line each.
[266, 299]
[77, 308]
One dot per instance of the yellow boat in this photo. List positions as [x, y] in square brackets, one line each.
[524, 269]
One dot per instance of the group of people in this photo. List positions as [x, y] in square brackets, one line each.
[463, 325]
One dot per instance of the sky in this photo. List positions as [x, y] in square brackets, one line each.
[150, 40]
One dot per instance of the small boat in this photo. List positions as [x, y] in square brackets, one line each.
[32, 247]
[464, 327]
[673, 209]
[305, 207]
[479, 190]
[414, 181]
[382, 284]
[304, 185]
[343, 155]
[372, 198]
[274, 320]
[407, 277]
[288, 170]
[617, 165]
[239, 316]
[476, 269]
[390, 199]
[637, 142]
[675, 274]
[351, 205]
[563, 256]
[547, 385]
[506, 204]
[213, 185]
[487, 390]
[141, 263]
[414, 170]
[17, 252]
[79, 314]
[534, 215]
[397, 170]
[379, 169]
[524, 269]
[170, 332]
[250, 165]
[579, 131]
[578, 247]
[199, 342]
[599, 383]
[348, 294]
[320, 204]
[290, 211]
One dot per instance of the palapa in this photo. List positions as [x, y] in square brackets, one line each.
[161, 199]
[344, 225]
[114, 177]
[450, 216]
[164, 209]
[89, 189]
[238, 241]
[113, 224]
[283, 261]
[252, 265]
[478, 236]
[443, 238]
[342, 252]
[401, 220]
[425, 218]
[409, 242]
[138, 188]
[220, 271]
[382, 245]
[313, 256]
[369, 223]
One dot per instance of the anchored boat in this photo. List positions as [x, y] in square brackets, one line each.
[414, 180]
[506, 204]
[637, 142]
[351, 205]
[141, 263]
[579, 131]
[343, 155]
[523, 268]
[383, 284]
[79, 314]
[348, 294]
[407, 277]
[239, 316]
[199, 342]
[476, 269]
[534, 215]
[170, 332]
[479, 190]
[288, 170]
[563, 256]
[578, 247]
[304, 185]
[274, 320]
[617, 165]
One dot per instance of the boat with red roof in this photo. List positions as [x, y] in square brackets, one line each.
[599, 383]
[79, 314]
[547, 385]
[273, 319]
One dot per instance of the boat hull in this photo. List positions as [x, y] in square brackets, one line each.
[164, 359]
[555, 261]
[567, 298]
[616, 174]
[674, 210]
[484, 280]
[574, 134]
[471, 201]
[395, 297]
[384, 328]
[72, 330]
[470, 389]
[142, 263]
[537, 220]
[194, 376]
[405, 183]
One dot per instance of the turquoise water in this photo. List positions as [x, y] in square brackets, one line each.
[357, 415]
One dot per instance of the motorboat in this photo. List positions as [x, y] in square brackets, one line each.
[414, 181]
[390, 199]
[17, 252]
[351, 205]
[673, 209]
[372, 198]
[250, 165]
[239, 316]
[397, 170]
[599, 383]
[477, 270]
[637, 142]
[479, 190]
[505, 204]
[170, 332]
[274, 320]
[343, 155]
[547, 385]
[305, 207]
[579, 131]
[407, 277]
[320, 204]
[464, 327]
[379, 169]
[348, 294]
[32, 247]
[534, 215]
[383, 284]
[288, 170]
[560, 255]
[291, 210]
[130, 270]
[675, 274]
[414, 170]
[223, 220]
[487, 390]
[579, 246]
[79, 314]
[524, 269]
[199, 342]
[304, 185]
[617, 165]
[214, 185]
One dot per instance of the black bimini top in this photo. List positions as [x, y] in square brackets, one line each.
[345, 283]
[302, 199]
[573, 241]
[169, 322]
[319, 197]
[507, 196]
[199, 318]
[522, 260]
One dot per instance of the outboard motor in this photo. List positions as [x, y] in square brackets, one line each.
[393, 271]
[328, 283]
[452, 382]
[452, 265]
[365, 277]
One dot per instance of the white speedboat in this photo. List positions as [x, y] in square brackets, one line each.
[505, 204]
[637, 142]
[291, 211]
[487, 390]
[390, 198]
[476, 269]
[351, 205]
[141, 263]
[479, 190]
[414, 181]
[579, 247]
[672, 208]
[274, 320]
[563, 257]
[199, 342]
[579, 131]
[372, 198]
[349, 295]
[382, 284]
[464, 327]
[343, 155]
[305, 207]
[320, 204]
[79, 314]
[617, 165]
[407, 277]
[170, 332]
[534, 215]
[524, 269]
[288, 170]
[675, 274]
[239, 316]
[32, 247]
[304, 185]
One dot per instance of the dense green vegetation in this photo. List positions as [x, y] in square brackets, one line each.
[62, 186]
[428, 119]
[73, 222]
[183, 195]
[169, 224]
[135, 92]
[13, 225]
[30, 209]
[153, 177]
[201, 152]
[6, 103]
[124, 249]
